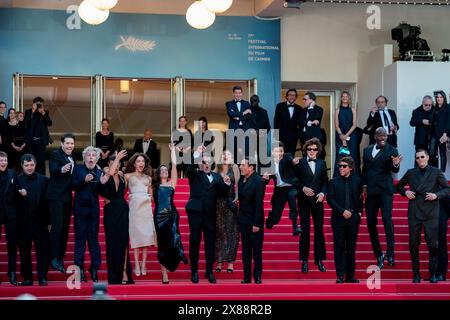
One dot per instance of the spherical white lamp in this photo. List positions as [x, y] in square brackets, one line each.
[217, 6]
[199, 17]
[104, 4]
[91, 14]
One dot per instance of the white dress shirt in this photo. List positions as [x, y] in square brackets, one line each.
[145, 145]
[375, 151]
[312, 165]
[291, 110]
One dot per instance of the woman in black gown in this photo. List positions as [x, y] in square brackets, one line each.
[104, 139]
[115, 221]
[170, 248]
[184, 141]
[15, 132]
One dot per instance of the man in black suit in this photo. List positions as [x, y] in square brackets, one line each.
[33, 221]
[286, 120]
[8, 214]
[3, 126]
[238, 110]
[148, 147]
[204, 186]
[427, 185]
[285, 190]
[310, 120]
[381, 116]
[421, 119]
[444, 215]
[37, 137]
[379, 162]
[86, 211]
[260, 122]
[312, 178]
[59, 196]
[345, 199]
[251, 219]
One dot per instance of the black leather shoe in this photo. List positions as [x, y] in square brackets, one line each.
[244, 281]
[57, 265]
[269, 225]
[340, 280]
[416, 278]
[440, 277]
[433, 279]
[352, 280]
[43, 282]
[210, 277]
[258, 280]
[380, 262]
[94, 275]
[26, 283]
[296, 230]
[12, 278]
[305, 268]
[321, 266]
[194, 277]
[82, 276]
[391, 261]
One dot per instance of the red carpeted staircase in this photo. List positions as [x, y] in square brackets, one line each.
[282, 278]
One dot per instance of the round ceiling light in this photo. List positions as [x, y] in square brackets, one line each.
[199, 17]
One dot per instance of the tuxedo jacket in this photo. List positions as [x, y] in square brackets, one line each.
[434, 181]
[259, 119]
[373, 123]
[3, 126]
[203, 194]
[422, 132]
[313, 131]
[376, 172]
[288, 127]
[60, 185]
[251, 201]
[7, 197]
[152, 151]
[286, 169]
[336, 196]
[233, 112]
[43, 121]
[86, 193]
[317, 181]
[33, 205]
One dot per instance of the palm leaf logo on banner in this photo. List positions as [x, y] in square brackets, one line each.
[134, 44]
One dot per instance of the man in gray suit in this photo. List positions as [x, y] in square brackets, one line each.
[426, 185]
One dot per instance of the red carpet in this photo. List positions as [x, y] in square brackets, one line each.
[282, 278]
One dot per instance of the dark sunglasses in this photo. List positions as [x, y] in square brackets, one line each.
[304, 99]
[312, 149]
[342, 165]
[420, 157]
[427, 105]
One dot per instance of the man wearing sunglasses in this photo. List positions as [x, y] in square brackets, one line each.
[311, 173]
[379, 162]
[310, 120]
[427, 185]
[422, 119]
[381, 116]
[345, 199]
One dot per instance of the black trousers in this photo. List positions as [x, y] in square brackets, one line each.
[201, 222]
[10, 223]
[281, 196]
[345, 234]
[431, 229]
[307, 209]
[252, 243]
[86, 230]
[32, 231]
[38, 151]
[438, 154]
[373, 204]
[444, 215]
[60, 214]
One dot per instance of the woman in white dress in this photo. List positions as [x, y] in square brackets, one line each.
[141, 227]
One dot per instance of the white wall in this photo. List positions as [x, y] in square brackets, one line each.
[322, 42]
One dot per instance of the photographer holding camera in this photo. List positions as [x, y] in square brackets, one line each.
[37, 137]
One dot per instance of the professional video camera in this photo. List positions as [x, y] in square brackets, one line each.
[408, 39]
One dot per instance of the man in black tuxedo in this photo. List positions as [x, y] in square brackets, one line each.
[444, 215]
[86, 211]
[260, 122]
[204, 186]
[3, 126]
[427, 185]
[238, 110]
[381, 116]
[312, 178]
[310, 120]
[345, 199]
[59, 196]
[251, 219]
[286, 120]
[421, 119]
[148, 147]
[37, 137]
[285, 190]
[379, 162]
[8, 214]
[33, 221]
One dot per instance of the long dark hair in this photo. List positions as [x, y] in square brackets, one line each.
[157, 176]
[131, 168]
[205, 121]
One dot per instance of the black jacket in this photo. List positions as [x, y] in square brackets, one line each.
[251, 201]
[36, 122]
[422, 133]
[33, 205]
[376, 172]
[152, 152]
[7, 197]
[312, 131]
[336, 196]
[317, 181]
[86, 193]
[441, 121]
[288, 127]
[373, 123]
[260, 119]
[60, 185]
[233, 112]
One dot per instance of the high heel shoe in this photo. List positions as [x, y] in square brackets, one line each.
[219, 267]
[165, 281]
[230, 269]
[143, 270]
[124, 277]
[137, 271]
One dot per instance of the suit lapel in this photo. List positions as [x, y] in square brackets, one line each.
[308, 168]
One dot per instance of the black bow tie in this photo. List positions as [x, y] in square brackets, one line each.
[378, 147]
[208, 174]
[146, 141]
[290, 105]
[312, 160]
